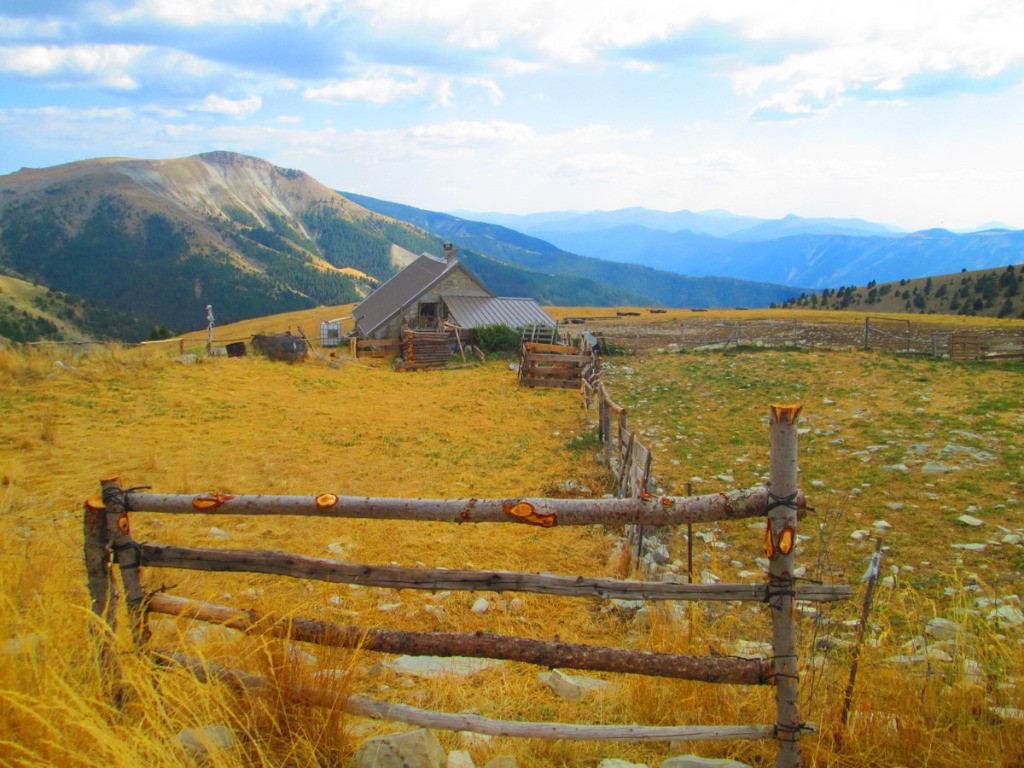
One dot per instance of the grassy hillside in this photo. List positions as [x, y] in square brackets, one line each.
[988, 293]
[248, 426]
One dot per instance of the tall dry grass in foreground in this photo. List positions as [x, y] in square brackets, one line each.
[252, 426]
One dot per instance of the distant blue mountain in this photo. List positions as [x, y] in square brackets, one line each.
[810, 260]
[717, 223]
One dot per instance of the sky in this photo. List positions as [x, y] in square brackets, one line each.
[907, 112]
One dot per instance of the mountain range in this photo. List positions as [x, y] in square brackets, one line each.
[812, 253]
[154, 241]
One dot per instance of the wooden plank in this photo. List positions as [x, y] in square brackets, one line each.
[533, 346]
[363, 707]
[554, 383]
[393, 577]
[711, 669]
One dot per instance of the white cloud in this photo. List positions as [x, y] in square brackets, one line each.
[810, 98]
[235, 107]
[383, 85]
[194, 13]
[460, 132]
[107, 65]
[376, 89]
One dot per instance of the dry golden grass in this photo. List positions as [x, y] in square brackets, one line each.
[252, 426]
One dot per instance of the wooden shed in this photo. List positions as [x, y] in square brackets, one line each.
[432, 293]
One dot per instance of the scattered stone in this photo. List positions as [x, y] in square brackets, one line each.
[935, 468]
[460, 758]
[219, 533]
[970, 520]
[472, 739]
[1007, 615]
[335, 548]
[725, 478]
[944, 629]
[860, 535]
[202, 744]
[438, 666]
[881, 525]
[481, 605]
[614, 762]
[1006, 713]
[932, 654]
[693, 761]
[571, 686]
[412, 749]
[1012, 538]
[975, 547]
[894, 505]
[901, 468]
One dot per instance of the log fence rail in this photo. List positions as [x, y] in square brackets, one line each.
[108, 539]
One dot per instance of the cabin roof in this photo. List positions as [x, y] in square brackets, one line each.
[475, 311]
[402, 289]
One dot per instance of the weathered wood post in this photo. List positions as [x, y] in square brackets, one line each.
[780, 541]
[126, 554]
[102, 593]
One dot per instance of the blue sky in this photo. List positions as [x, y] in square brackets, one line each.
[908, 113]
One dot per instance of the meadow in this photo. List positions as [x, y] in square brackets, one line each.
[896, 447]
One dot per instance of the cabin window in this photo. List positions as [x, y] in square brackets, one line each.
[428, 310]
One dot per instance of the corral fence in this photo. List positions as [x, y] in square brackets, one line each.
[559, 365]
[886, 334]
[108, 540]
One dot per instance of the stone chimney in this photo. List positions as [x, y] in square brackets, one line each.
[450, 251]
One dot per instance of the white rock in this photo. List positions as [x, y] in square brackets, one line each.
[412, 749]
[974, 547]
[460, 758]
[860, 535]
[1006, 713]
[944, 629]
[219, 533]
[935, 468]
[1007, 615]
[881, 525]
[1012, 538]
[335, 548]
[481, 605]
[472, 739]
[571, 686]
[438, 666]
[970, 520]
[614, 762]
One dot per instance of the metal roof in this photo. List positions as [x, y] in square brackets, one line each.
[475, 311]
[398, 291]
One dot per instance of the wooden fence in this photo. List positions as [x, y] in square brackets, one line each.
[557, 365]
[381, 349]
[971, 345]
[108, 538]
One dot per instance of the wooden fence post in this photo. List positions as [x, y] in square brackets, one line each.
[780, 541]
[126, 554]
[102, 594]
